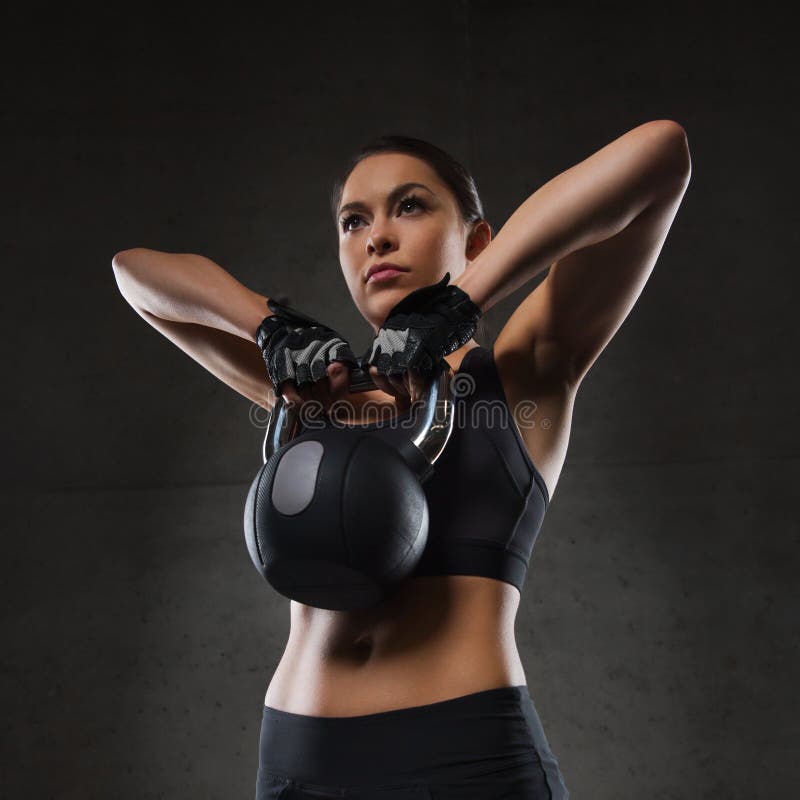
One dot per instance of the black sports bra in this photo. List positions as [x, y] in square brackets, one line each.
[486, 498]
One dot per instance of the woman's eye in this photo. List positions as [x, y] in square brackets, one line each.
[412, 199]
[346, 222]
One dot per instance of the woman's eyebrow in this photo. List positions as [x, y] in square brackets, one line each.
[390, 198]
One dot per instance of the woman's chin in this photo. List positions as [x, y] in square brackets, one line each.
[379, 311]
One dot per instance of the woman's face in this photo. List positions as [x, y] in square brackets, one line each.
[418, 228]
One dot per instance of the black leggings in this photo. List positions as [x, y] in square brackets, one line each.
[480, 746]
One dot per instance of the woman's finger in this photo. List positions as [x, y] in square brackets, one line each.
[418, 384]
[288, 390]
[399, 385]
[381, 381]
[339, 388]
[338, 380]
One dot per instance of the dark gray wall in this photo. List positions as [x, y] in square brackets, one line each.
[658, 627]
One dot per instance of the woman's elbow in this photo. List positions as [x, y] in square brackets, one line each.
[122, 256]
[675, 147]
[120, 265]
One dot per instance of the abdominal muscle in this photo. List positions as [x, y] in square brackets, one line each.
[435, 638]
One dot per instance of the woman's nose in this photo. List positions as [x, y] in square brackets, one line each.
[380, 243]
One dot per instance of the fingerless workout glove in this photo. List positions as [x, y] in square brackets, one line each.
[424, 327]
[297, 347]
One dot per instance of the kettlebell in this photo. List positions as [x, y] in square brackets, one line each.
[337, 517]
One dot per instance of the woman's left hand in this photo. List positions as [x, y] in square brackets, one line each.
[419, 331]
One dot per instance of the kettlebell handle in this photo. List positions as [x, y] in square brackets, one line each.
[361, 381]
[430, 433]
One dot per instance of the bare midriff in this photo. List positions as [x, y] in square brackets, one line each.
[437, 637]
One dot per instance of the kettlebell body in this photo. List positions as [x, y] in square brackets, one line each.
[336, 517]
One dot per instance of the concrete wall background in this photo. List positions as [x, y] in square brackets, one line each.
[659, 626]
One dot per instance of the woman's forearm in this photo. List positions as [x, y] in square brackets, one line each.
[185, 287]
[590, 202]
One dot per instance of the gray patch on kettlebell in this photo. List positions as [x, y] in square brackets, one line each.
[296, 477]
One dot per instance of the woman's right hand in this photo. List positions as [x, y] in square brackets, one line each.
[306, 360]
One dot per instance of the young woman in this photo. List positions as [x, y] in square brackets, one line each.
[425, 695]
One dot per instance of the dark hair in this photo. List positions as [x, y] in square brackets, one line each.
[449, 170]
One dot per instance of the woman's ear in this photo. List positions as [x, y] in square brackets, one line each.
[478, 239]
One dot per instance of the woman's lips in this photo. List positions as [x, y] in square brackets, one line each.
[384, 275]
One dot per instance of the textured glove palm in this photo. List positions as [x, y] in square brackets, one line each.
[424, 327]
[298, 348]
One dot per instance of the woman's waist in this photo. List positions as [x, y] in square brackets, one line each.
[428, 613]
[369, 677]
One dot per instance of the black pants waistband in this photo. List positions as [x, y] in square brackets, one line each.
[469, 735]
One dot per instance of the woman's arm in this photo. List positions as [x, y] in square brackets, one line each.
[202, 309]
[184, 287]
[599, 226]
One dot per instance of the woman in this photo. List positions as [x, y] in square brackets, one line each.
[425, 694]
